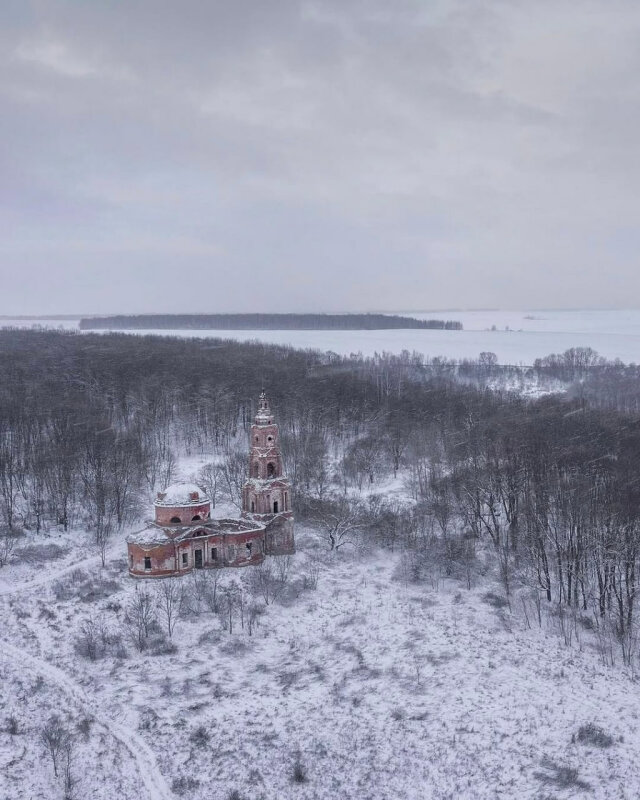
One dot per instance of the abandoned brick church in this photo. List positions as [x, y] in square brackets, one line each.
[183, 537]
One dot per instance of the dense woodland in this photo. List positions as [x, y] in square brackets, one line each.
[261, 322]
[547, 490]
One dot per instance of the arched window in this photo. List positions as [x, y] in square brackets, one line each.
[196, 518]
[270, 469]
[177, 520]
[253, 507]
[275, 506]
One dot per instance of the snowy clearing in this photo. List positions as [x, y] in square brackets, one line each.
[386, 689]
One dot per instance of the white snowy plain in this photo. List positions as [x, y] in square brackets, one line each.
[519, 336]
[388, 690]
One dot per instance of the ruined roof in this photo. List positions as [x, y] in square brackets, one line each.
[155, 534]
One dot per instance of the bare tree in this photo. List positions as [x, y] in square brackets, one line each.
[209, 478]
[339, 521]
[231, 602]
[55, 738]
[140, 616]
[69, 780]
[7, 545]
[170, 594]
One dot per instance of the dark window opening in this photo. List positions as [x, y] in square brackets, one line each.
[270, 469]
[198, 558]
[147, 562]
[176, 519]
[214, 553]
[275, 506]
[253, 507]
[249, 546]
[269, 438]
[257, 438]
[197, 518]
[185, 559]
[131, 561]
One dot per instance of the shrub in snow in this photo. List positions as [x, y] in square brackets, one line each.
[84, 727]
[11, 726]
[184, 784]
[40, 553]
[594, 735]
[561, 776]
[495, 600]
[96, 640]
[299, 772]
[200, 736]
[148, 719]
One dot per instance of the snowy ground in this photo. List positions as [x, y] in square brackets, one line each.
[388, 690]
[519, 336]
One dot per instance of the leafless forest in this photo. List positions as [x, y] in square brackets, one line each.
[90, 424]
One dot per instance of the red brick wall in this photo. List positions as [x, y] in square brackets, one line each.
[164, 514]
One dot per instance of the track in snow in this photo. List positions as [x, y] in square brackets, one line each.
[148, 769]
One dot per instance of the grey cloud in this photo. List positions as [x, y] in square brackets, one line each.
[349, 154]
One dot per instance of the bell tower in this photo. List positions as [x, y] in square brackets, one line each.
[266, 496]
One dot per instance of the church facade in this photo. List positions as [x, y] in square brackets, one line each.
[183, 536]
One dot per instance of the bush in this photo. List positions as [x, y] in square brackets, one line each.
[561, 776]
[184, 784]
[11, 726]
[159, 645]
[40, 553]
[200, 736]
[299, 773]
[495, 600]
[594, 735]
[84, 727]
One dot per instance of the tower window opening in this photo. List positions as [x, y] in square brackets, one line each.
[176, 520]
[196, 518]
[249, 546]
[275, 506]
[253, 507]
[270, 469]
[147, 562]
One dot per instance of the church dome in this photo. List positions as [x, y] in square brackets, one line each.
[182, 494]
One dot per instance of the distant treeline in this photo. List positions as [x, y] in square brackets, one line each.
[278, 322]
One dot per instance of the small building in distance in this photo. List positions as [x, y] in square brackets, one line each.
[183, 536]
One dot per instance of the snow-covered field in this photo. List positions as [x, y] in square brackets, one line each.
[519, 336]
[387, 689]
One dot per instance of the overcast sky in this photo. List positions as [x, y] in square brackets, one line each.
[275, 155]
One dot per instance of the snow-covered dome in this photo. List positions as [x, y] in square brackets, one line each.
[182, 494]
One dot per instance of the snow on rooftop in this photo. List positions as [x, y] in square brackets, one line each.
[182, 494]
